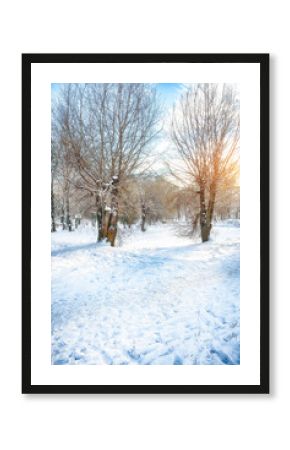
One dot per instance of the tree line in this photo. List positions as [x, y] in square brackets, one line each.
[101, 146]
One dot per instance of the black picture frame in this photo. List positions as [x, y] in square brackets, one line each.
[263, 61]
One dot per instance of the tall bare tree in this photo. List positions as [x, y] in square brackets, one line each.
[205, 131]
[54, 163]
[61, 125]
[107, 129]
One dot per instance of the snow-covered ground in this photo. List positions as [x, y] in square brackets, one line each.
[157, 299]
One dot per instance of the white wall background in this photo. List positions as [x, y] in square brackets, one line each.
[142, 422]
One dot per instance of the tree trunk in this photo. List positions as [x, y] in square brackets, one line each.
[67, 212]
[106, 221]
[53, 227]
[99, 219]
[62, 218]
[143, 217]
[211, 205]
[112, 226]
[204, 227]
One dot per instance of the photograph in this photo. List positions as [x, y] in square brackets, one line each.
[145, 224]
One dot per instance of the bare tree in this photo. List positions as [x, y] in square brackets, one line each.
[61, 118]
[157, 198]
[54, 162]
[70, 137]
[205, 131]
[107, 130]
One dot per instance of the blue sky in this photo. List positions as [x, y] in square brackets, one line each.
[169, 92]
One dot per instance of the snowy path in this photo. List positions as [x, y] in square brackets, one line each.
[157, 299]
